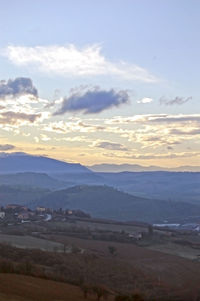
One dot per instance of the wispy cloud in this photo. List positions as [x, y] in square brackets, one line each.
[6, 147]
[17, 87]
[175, 101]
[93, 101]
[61, 127]
[71, 61]
[110, 145]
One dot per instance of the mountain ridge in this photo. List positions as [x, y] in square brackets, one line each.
[104, 167]
[23, 162]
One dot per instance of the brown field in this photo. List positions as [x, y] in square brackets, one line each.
[25, 288]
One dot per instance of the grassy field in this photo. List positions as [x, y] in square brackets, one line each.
[26, 241]
[110, 227]
[97, 226]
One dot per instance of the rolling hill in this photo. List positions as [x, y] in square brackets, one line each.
[107, 202]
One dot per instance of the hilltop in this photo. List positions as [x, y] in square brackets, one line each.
[107, 202]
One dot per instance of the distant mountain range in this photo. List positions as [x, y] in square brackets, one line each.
[141, 195]
[138, 168]
[22, 162]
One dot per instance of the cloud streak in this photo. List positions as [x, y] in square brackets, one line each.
[17, 87]
[175, 101]
[71, 61]
[92, 101]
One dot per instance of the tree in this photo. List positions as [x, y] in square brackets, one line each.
[112, 250]
[85, 289]
[100, 292]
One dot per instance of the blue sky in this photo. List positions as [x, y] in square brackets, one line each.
[148, 49]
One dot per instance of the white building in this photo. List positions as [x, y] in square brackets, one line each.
[2, 214]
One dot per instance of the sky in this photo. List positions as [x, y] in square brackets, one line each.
[101, 81]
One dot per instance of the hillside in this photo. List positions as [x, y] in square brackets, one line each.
[20, 195]
[106, 202]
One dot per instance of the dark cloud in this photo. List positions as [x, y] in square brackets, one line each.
[175, 101]
[111, 146]
[16, 87]
[160, 139]
[93, 101]
[6, 147]
[13, 117]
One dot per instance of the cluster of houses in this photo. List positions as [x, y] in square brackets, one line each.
[22, 214]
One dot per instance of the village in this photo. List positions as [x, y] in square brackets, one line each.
[13, 214]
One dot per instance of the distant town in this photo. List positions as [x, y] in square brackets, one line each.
[13, 214]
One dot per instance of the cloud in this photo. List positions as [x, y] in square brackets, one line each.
[6, 147]
[71, 61]
[110, 145]
[44, 137]
[175, 101]
[14, 117]
[145, 100]
[17, 87]
[92, 101]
